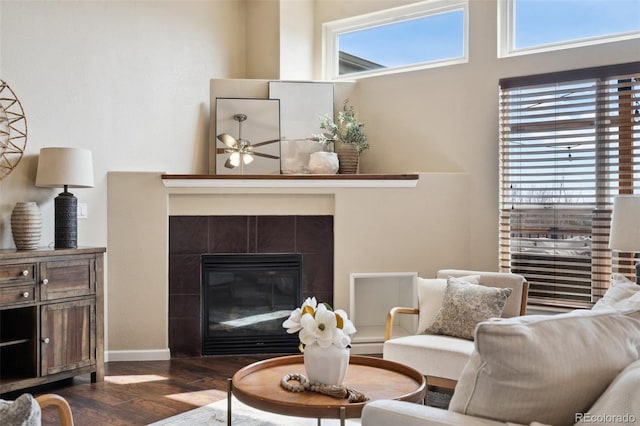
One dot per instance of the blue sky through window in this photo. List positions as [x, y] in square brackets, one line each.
[440, 37]
[541, 22]
[409, 42]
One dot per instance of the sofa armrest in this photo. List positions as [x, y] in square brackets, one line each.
[388, 329]
[385, 412]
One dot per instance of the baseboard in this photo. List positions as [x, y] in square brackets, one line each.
[139, 355]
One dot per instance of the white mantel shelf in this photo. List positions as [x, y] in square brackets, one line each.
[291, 181]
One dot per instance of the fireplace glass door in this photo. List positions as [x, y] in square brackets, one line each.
[246, 298]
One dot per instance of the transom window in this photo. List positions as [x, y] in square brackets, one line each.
[420, 35]
[569, 143]
[529, 26]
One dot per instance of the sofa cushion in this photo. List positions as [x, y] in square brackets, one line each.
[386, 412]
[620, 403]
[430, 297]
[24, 411]
[430, 354]
[622, 294]
[560, 362]
[465, 305]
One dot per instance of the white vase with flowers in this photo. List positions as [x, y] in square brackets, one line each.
[325, 340]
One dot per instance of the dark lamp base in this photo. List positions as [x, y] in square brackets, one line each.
[66, 221]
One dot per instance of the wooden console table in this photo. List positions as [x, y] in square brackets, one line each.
[51, 316]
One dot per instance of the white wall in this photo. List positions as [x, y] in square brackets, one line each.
[446, 119]
[128, 80]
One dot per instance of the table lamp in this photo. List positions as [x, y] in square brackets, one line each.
[65, 168]
[625, 226]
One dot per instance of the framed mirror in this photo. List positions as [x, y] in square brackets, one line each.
[301, 105]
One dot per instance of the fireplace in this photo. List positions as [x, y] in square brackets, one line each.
[193, 237]
[245, 299]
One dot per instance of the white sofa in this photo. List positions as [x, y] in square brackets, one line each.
[581, 367]
[618, 404]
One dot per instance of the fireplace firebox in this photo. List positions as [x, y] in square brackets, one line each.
[245, 299]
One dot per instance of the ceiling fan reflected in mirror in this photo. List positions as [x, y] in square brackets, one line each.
[241, 151]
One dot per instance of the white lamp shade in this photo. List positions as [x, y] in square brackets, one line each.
[58, 167]
[625, 223]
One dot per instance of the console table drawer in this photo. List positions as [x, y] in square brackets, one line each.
[67, 278]
[17, 294]
[17, 273]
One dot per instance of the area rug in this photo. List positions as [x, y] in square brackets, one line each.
[242, 415]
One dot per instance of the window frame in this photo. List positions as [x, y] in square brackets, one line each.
[506, 36]
[332, 30]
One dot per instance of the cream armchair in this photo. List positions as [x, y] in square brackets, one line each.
[441, 358]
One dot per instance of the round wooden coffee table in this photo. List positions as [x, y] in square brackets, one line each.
[258, 385]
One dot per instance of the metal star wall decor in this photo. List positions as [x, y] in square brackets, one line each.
[13, 130]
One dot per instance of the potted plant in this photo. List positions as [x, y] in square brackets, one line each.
[348, 135]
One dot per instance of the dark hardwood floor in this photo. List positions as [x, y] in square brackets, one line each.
[142, 392]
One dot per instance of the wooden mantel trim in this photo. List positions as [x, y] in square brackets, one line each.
[403, 176]
[291, 181]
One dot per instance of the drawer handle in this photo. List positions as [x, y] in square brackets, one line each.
[25, 294]
[25, 273]
[45, 281]
[45, 340]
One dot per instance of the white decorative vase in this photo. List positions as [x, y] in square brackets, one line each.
[322, 162]
[326, 365]
[26, 225]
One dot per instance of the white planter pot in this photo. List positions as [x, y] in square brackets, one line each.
[323, 163]
[326, 365]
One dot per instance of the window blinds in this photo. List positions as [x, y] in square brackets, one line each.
[569, 142]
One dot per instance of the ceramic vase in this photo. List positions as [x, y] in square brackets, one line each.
[26, 225]
[348, 157]
[326, 365]
[322, 162]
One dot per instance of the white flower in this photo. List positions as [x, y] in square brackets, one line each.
[318, 323]
[319, 328]
[292, 324]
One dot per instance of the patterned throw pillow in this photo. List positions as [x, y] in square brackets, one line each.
[430, 296]
[465, 305]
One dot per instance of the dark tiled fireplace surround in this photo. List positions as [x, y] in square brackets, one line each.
[192, 236]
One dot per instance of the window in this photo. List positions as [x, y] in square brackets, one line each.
[569, 142]
[529, 26]
[424, 34]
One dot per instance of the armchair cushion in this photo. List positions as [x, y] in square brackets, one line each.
[24, 411]
[430, 297]
[517, 302]
[465, 305]
[561, 362]
[430, 354]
